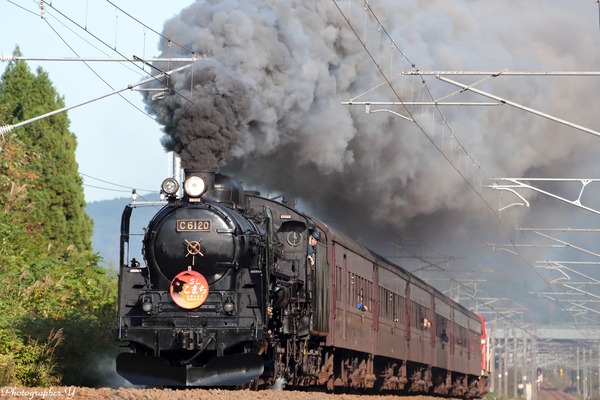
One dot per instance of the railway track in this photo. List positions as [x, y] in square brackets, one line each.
[81, 393]
[549, 392]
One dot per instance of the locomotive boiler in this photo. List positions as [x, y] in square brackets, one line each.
[235, 289]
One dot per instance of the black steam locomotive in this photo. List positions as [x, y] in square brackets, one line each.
[239, 290]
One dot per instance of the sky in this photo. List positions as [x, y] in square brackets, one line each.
[118, 145]
[281, 71]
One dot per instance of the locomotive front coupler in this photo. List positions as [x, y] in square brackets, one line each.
[195, 339]
[200, 349]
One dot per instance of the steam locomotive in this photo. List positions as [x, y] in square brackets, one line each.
[240, 290]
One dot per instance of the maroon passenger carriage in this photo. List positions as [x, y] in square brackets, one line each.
[334, 316]
[405, 335]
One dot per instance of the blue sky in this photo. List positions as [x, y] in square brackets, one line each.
[116, 142]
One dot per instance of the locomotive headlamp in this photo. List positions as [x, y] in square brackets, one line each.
[228, 306]
[147, 305]
[170, 186]
[194, 186]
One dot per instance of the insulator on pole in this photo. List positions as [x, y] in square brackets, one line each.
[6, 57]
[6, 129]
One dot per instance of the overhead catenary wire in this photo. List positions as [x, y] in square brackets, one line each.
[113, 48]
[21, 7]
[64, 20]
[416, 71]
[94, 72]
[519, 106]
[9, 128]
[12, 57]
[47, 17]
[191, 51]
[128, 188]
[47, 6]
[195, 54]
[409, 112]
[109, 189]
[87, 31]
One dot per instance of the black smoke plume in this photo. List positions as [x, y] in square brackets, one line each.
[265, 105]
[266, 101]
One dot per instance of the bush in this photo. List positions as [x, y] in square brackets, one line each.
[7, 370]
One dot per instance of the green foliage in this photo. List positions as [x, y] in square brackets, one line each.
[79, 297]
[58, 305]
[56, 193]
[66, 292]
[33, 360]
[493, 396]
[7, 370]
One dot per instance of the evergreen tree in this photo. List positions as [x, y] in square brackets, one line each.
[58, 203]
[57, 306]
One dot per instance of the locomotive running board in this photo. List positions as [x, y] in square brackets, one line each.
[231, 370]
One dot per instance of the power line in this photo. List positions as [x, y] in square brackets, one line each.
[8, 128]
[108, 189]
[367, 7]
[156, 32]
[96, 73]
[22, 8]
[114, 48]
[130, 188]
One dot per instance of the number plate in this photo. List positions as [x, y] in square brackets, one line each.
[193, 225]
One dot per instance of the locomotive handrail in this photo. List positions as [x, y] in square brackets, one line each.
[148, 203]
[124, 238]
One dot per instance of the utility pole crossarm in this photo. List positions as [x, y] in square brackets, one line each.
[8, 58]
[570, 245]
[471, 88]
[523, 183]
[4, 129]
[495, 74]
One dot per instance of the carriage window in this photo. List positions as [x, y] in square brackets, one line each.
[420, 313]
[441, 328]
[360, 292]
[421, 318]
[414, 314]
[384, 300]
[351, 287]
[398, 307]
[392, 304]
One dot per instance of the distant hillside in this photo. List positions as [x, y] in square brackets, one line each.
[106, 215]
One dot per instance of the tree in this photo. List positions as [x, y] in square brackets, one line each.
[56, 192]
[57, 305]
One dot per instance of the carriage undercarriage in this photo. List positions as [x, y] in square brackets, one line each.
[341, 370]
